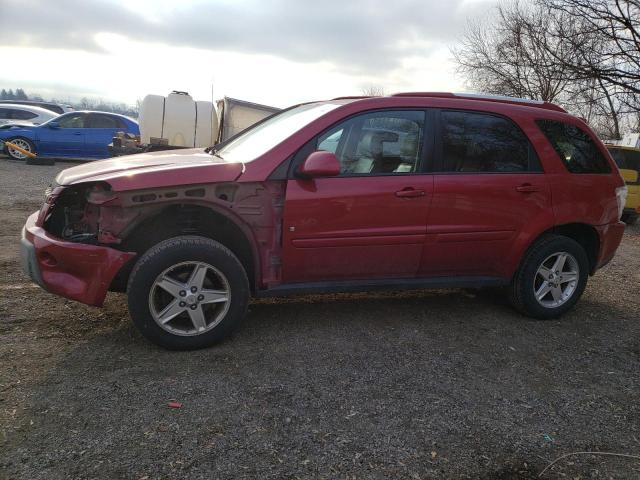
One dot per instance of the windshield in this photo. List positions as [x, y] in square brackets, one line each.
[264, 137]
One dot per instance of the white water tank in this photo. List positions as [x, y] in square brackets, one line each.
[177, 120]
[206, 124]
[151, 117]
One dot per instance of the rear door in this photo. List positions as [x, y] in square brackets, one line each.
[370, 221]
[489, 191]
[66, 140]
[101, 129]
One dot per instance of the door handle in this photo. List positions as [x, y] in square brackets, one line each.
[77, 133]
[410, 192]
[527, 188]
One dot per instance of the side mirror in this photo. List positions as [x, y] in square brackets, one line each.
[53, 125]
[629, 176]
[320, 164]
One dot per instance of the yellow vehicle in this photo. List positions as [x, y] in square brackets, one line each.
[628, 161]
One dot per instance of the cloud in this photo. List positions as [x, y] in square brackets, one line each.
[356, 36]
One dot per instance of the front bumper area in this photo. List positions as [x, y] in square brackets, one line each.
[76, 271]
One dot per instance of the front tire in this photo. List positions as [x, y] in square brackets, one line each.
[23, 143]
[187, 292]
[551, 278]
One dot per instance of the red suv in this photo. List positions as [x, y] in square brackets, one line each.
[415, 190]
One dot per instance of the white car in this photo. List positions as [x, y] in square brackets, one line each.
[24, 114]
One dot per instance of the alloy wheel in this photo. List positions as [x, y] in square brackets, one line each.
[189, 298]
[23, 144]
[556, 280]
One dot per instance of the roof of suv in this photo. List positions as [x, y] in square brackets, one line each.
[472, 96]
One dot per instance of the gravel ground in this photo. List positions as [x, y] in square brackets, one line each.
[401, 385]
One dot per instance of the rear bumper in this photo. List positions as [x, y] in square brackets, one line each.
[72, 270]
[610, 238]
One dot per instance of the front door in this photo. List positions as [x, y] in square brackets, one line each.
[370, 221]
[66, 139]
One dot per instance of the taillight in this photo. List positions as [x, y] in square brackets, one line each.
[621, 198]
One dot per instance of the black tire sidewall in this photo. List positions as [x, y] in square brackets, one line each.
[524, 282]
[8, 150]
[171, 252]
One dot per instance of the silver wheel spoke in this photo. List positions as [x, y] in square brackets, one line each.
[170, 311]
[543, 290]
[214, 296]
[198, 275]
[556, 293]
[197, 318]
[569, 277]
[171, 286]
[559, 263]
[544, 272]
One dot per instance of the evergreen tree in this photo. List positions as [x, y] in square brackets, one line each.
[3, 94]
[11, 95]
[21, 95]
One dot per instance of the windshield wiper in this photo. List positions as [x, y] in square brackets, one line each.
[213, 151]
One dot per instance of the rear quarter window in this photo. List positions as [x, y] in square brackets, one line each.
[577, 150]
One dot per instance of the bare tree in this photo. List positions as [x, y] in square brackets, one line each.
[551, 50]
[510, 54]
[373, 91]
[604, 36]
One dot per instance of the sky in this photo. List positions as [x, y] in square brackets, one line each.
[275, 52]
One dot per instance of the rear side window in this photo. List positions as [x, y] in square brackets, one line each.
[4, 113]
[23, 115]
[484, 143]
[103, 121]
[577, 150]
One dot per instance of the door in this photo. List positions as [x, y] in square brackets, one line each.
[100, 132]
[489, 193]
[66, 139]
[370, 221]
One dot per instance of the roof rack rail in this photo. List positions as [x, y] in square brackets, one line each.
[487, 98]
[352, 97]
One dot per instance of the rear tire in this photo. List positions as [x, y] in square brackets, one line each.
[187, 292]
[546, 286]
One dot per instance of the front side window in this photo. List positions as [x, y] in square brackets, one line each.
[577, 150]
[477, 142]
[379, 143]
[74, 120]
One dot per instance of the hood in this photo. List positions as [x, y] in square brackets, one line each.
[156, 169]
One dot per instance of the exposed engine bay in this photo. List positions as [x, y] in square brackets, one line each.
[72, 217]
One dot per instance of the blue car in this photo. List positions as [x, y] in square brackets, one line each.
[82, 135]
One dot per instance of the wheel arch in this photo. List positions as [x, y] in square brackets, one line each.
[191, 219]
[584, 234]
